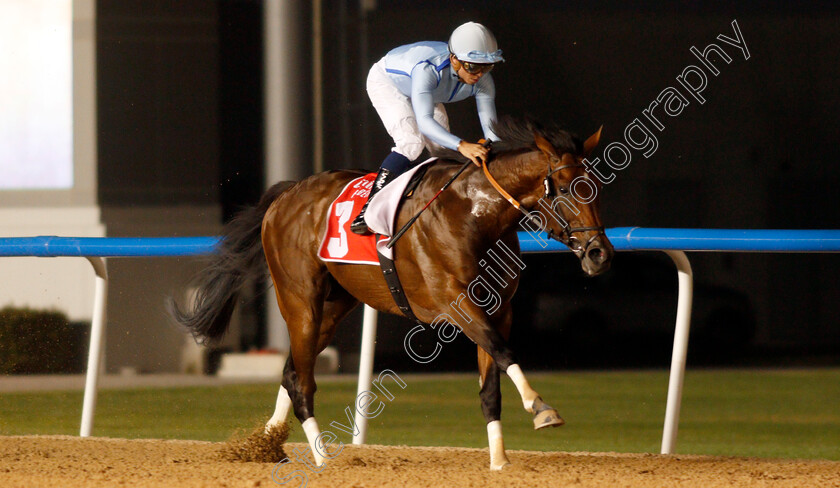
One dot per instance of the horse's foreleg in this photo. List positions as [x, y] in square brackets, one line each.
[492, 341]
[491, 406]
[544, 414]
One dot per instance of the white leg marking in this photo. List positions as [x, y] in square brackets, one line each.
[310, 427]
[525, 391]
[498, 458]
[281, 410]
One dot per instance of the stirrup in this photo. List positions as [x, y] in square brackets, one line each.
[359, 226]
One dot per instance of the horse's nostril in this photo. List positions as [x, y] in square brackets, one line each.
[595, 254]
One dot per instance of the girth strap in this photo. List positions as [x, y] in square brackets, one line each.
[389, 271]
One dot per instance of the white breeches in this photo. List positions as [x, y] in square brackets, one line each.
[397, 114]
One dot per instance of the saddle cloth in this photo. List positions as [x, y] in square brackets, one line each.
[340, 244]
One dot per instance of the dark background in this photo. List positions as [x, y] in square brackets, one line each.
[180, 110]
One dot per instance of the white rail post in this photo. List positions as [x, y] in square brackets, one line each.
[680, 351]
[365, 369]
[97, 332]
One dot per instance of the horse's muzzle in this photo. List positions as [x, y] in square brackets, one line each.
[596, 256]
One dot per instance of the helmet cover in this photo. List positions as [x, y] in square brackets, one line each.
[474, 43]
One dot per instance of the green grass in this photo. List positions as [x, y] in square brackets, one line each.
[763, 413]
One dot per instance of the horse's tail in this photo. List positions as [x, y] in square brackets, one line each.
[239, 257]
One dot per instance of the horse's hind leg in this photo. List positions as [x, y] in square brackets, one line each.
[284, 400]
[302, 306]
[283, 405]
[298, 389]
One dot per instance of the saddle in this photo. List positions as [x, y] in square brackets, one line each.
[415, 180]
[341, 245]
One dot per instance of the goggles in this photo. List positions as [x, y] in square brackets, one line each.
[476, 68]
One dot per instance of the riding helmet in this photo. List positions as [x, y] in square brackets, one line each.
[474, 43]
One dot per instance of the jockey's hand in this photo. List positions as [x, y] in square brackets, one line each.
[474, 152]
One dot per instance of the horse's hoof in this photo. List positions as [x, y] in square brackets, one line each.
[498, 466]
[548, 418]
[545, 416]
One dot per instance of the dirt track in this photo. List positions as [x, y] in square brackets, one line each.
[50, 461]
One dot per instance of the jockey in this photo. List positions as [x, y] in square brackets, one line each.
[408, 88]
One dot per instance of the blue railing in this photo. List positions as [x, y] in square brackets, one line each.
[724, 240]
[672, 241]
[51, 246]
[622, 238]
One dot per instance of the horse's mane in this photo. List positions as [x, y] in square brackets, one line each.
[517, 133]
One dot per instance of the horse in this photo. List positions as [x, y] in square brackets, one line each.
[538, 167]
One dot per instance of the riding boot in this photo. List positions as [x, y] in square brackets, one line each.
[359, 226]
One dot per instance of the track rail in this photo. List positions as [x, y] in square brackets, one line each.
[674, 242]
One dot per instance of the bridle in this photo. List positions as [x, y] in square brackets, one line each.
[566, 235]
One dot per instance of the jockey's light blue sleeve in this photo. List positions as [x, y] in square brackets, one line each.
[485, 100]
[424, 80]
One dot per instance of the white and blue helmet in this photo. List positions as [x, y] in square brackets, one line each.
[474, 43]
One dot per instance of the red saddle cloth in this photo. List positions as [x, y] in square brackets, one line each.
[340, 244]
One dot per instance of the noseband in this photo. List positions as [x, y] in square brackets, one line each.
[566, 235]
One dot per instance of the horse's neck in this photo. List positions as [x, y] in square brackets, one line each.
[519, 175]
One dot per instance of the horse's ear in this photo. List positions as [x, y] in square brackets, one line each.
[590, 143]
[545, 146]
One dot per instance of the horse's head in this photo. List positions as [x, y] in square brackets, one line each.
[569, 205]
[547, 175]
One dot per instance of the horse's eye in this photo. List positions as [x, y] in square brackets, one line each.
[563, 190]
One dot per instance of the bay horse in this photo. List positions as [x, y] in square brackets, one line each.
[436, 260]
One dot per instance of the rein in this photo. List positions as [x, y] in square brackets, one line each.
[417, 216]
[400, 233]
[566, 236]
